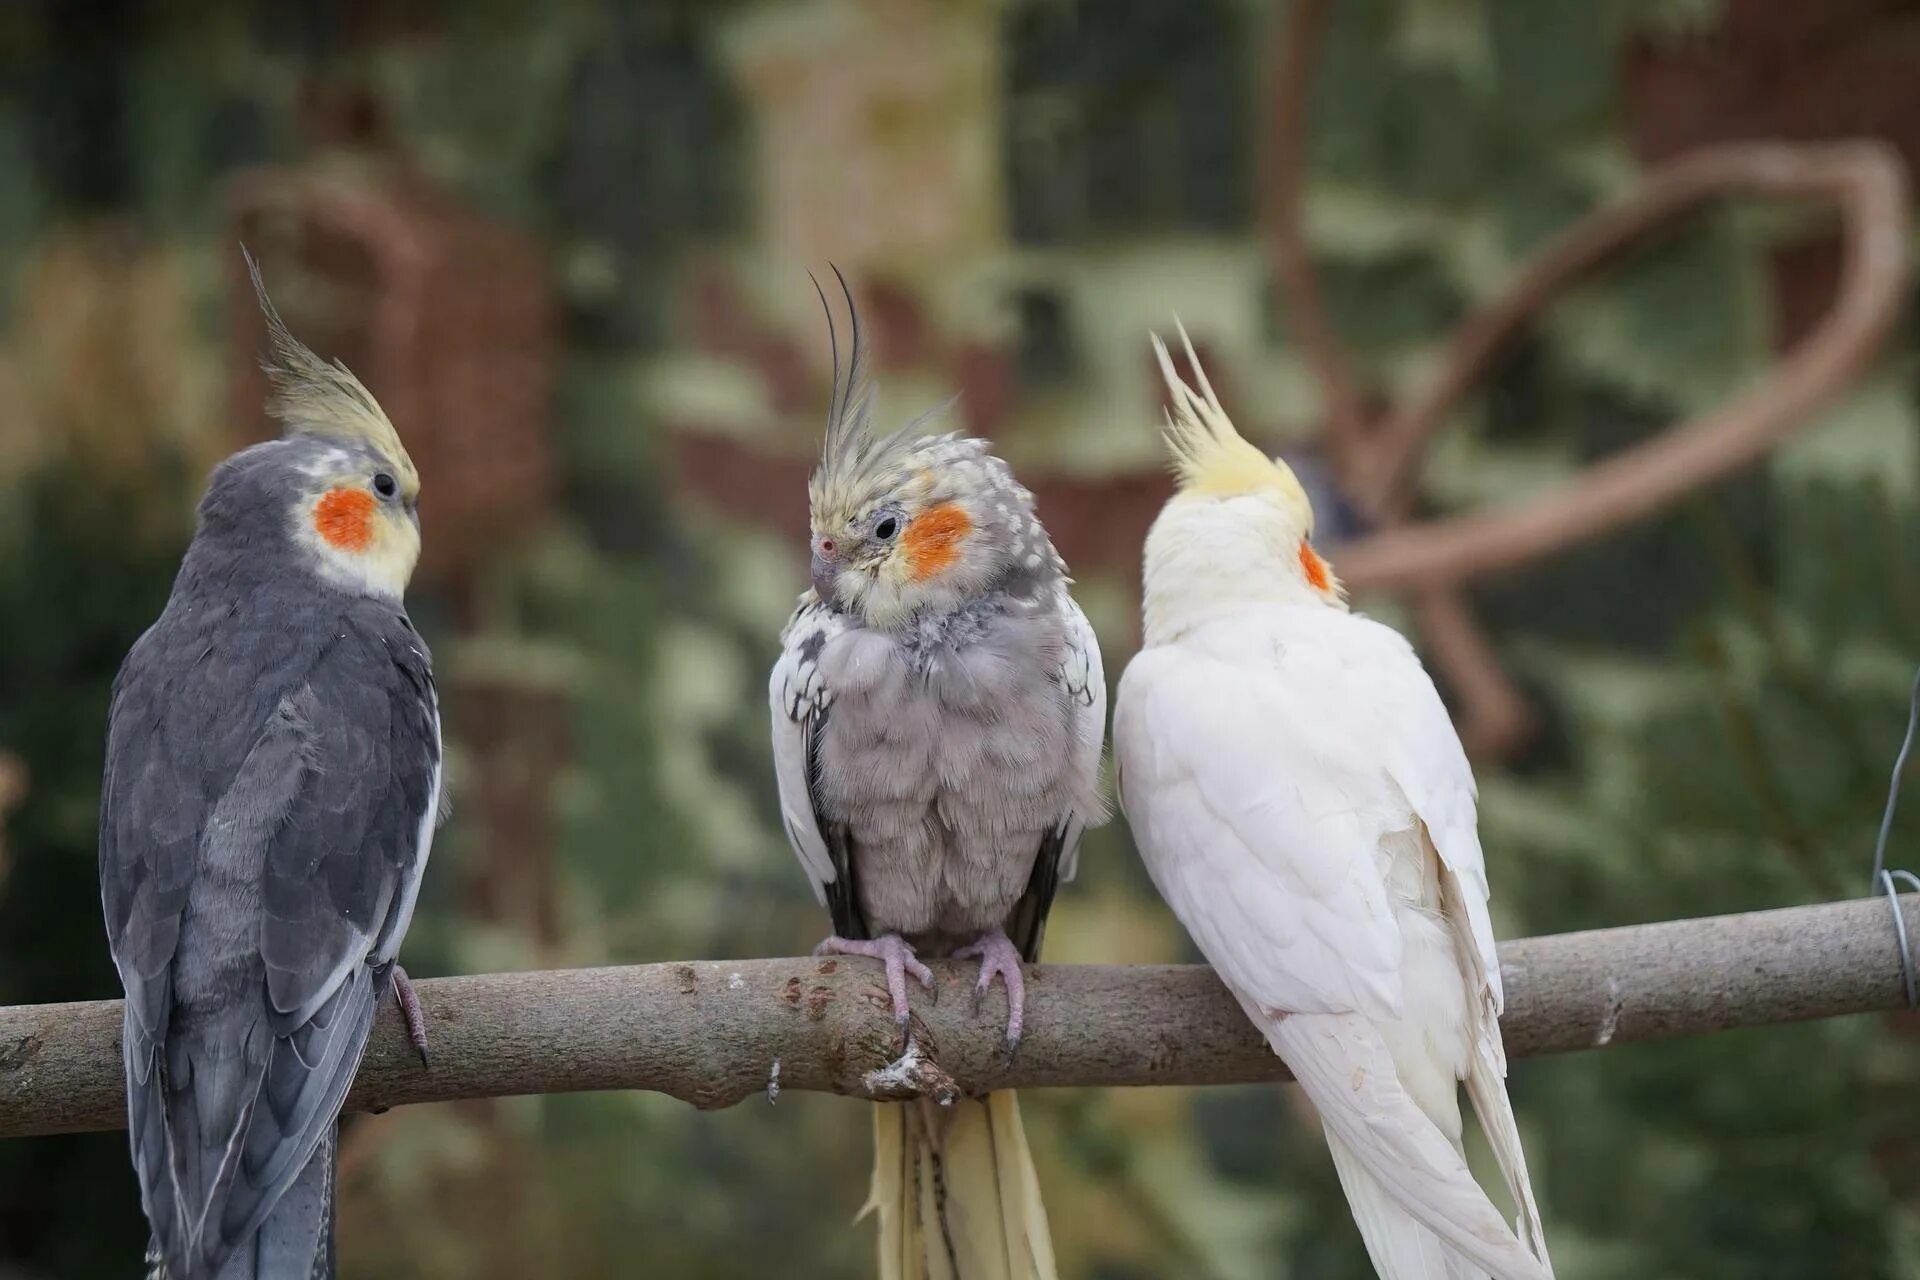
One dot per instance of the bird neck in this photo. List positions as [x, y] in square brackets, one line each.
[1202, 562]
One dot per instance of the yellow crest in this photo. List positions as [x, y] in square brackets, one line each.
[1209, 455]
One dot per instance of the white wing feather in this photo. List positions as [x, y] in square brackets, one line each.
[797, 695]
[1085, 682]
[1271, 751]
[1259, 834]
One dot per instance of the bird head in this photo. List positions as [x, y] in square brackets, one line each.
[1239, 529]
[906, 524]
[337, 487]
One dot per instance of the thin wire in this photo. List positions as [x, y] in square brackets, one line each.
[1893, 787]
[1900, 929]
[1883, 879]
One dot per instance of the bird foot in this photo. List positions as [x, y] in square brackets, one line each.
[998, 956]
[892, 950]
[409, 1002]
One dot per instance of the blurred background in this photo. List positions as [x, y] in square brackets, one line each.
[567, 247]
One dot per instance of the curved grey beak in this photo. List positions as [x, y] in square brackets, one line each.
[826, 572]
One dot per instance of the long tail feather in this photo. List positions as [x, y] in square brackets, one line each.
[1487, 1091]
[956, 1193]
[1400, 1247]
[1419, 1175]
[296, 1240]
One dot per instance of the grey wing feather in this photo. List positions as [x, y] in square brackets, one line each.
[799, 701]
[150, 814]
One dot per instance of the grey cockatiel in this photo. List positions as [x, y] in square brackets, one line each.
[272, 785]
[938, 715]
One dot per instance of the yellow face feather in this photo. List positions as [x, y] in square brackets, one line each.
[362, 538]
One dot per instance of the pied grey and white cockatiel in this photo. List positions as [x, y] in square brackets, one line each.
[938, 717]
[1303, 804]
[272, 786]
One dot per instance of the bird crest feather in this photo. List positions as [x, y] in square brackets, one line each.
[316, 398]
[857, 464]
[1209, 455]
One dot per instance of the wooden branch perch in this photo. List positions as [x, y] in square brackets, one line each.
[711, 1032]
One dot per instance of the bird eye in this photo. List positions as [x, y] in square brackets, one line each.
[886, 529]
[384, 485]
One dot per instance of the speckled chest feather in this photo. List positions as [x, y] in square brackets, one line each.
[951, 751]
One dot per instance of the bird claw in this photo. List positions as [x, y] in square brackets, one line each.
[409, 1002]
[893, 951]
[1009, 1050]
[999, 957]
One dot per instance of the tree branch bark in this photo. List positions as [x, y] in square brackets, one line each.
[1864, 181]
[1494, 715]
[1344, 435]
[710, 1031]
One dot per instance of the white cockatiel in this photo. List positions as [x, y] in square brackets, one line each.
[1303, 804]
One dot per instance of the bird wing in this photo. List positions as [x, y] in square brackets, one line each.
[151, 808]
[1423, 756]
[1085, 681]
[1427, 763]
[800, 702]
[1305, 735]
[1082, 680]
[1430, 767]
[1257, 802]
[303, 870]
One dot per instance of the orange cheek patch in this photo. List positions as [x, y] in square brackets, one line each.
[932, 542]
[1316, 567]
[344, 518]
